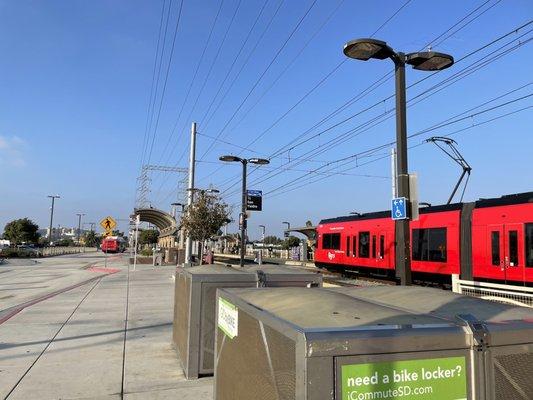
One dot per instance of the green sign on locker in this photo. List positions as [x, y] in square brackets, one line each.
[436, 379]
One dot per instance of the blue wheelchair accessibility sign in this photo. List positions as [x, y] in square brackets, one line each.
[399, 208]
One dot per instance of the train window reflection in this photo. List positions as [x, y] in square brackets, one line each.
[495, 245]
[364, 244]
[331, 241]
[529, 245]
[513, 248]
[429, 244]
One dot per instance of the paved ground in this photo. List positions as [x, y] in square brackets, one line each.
[107, 337]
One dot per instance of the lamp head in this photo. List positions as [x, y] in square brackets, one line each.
[365, 49]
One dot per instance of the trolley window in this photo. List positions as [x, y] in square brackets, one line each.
[348, 246]
[495, 247]
[331, 241]
[513, 248]
[373, 246]
[381, 246]
[529, 245]
[364, 244]
[429, 244]
[354, 246]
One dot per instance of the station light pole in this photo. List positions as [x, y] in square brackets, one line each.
[182, 233]
[288, 228]
[365, 49]
[80, 215]
[242, 217]
[50, 235]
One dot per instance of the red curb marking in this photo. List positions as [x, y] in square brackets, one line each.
[103, 270]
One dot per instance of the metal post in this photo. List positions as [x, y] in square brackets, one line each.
[243, 213]
[79, 226]
[137, 221]
[50, 236]
[394, 172]
[190, 193]
[403, 259]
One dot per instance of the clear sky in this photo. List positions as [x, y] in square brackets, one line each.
[76, 82]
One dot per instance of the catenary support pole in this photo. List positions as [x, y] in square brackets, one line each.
[190, 192]
[403, 259]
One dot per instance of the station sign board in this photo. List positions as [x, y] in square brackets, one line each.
[254, 200]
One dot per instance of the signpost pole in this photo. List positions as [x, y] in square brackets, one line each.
[243, 213]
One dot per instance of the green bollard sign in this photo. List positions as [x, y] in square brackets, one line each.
[436, 379]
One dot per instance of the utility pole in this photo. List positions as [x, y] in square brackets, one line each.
[79, 225]
[50, 235]
[190, 192]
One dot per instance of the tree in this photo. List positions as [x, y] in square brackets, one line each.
[272, 240]
[291, 241]
[148, 236]
[205, 217]
[67, 242]
[308, 224]
[22, 230]
[91, 239]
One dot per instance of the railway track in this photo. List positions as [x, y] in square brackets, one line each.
[340, 278]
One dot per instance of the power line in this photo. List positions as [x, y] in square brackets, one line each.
[381, 80]
[166, 79]
[145, 143]
[458, 74]
[262, 75]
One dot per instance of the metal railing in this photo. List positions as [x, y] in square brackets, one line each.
[60, 250]
[508, 294]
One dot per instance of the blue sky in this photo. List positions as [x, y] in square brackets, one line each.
[76, 76]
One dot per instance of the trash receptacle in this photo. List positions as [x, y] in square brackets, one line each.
[315, 344]
[195, 306]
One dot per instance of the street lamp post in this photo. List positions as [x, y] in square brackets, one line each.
[242, 219]
[182, 233]
[53, 197]
[79, 225]
[365, 49]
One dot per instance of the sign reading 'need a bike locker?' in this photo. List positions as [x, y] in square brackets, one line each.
[436, 379]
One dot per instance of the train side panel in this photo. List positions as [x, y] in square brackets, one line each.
[435, 243]
[502, 243]
[359, 243]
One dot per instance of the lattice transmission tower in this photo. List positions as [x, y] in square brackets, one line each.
[144, 181]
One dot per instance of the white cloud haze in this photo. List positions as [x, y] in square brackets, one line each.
[11, 151]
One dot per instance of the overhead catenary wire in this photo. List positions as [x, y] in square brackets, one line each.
[443, 36]
[320, 82]
[447, 122]
[169, 64]
[330, 144]
[272, 61]
[146, 129]
[269, 23]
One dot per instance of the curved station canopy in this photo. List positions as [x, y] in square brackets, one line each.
[165, 222]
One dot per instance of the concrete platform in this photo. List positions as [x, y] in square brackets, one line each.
[74, 345]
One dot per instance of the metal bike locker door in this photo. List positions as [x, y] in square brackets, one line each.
[314, 344]
[505, 358]
[194, 321]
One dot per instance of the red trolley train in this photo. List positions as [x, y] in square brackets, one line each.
[113, 244]
[490, 239]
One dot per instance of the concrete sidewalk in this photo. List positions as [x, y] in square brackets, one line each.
[75, 346]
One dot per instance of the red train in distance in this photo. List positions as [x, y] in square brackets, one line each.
[113, 244]
[490, 240]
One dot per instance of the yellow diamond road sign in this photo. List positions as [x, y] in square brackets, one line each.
[108, 223]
